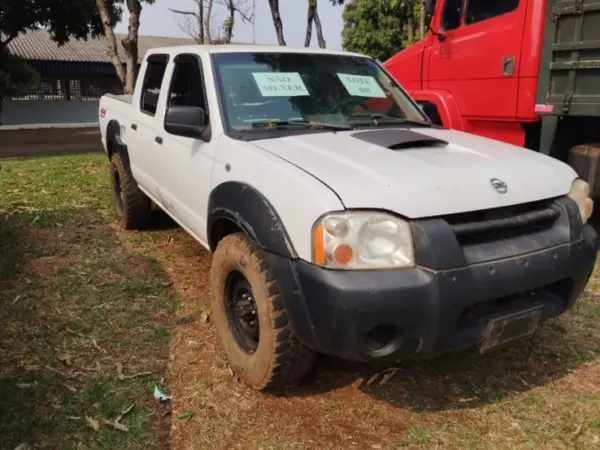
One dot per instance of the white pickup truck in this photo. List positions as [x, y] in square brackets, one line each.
[341, 220]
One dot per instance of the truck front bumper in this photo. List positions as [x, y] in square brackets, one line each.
[387, 315]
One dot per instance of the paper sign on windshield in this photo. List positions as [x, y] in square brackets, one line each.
[280, 84]
[361, 86]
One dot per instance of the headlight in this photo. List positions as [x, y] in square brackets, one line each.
[362, 240]
[580, 193]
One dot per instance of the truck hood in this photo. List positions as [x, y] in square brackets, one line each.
[423, 172]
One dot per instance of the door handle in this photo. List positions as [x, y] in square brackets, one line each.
[508, 66]
[133, 126]
[158, 140]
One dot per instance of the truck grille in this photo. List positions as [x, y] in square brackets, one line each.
[500, 223]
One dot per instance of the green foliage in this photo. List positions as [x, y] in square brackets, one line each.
[15, 75]
[64, 18]
[373, 27]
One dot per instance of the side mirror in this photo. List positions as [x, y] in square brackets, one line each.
[430, 6]
[187, 121]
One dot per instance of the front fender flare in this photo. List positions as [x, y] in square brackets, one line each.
[446, 105]
[251, 211]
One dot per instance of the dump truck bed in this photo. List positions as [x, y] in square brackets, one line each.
[569, 80]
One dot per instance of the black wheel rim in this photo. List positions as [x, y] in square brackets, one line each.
[117, 192]
[242, 314]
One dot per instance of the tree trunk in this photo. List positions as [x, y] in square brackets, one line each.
[207, 22]
[410, 29]
[111, 40]
[230, 22]
[320, 38]
[309, 22]
[274, 4]
[200, 19]
[422, 19]
[130, 44]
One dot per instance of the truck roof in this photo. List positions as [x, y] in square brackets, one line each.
[248, 48]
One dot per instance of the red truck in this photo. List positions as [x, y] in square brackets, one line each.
[526, 72]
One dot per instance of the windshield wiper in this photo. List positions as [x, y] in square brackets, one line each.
[388, 119]
[271, 124]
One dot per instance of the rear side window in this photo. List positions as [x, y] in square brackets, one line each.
[155, 72]
[480, 10]
[452, 14]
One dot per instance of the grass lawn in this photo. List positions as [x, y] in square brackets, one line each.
[94, 318]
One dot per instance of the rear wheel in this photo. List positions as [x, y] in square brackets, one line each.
[251, 320]
[132, 206]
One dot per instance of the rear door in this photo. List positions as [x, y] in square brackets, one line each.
[147, 120]
[478, 61]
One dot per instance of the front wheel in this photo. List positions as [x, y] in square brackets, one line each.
[250, 317]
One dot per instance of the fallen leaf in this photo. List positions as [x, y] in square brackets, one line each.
[577, 430]
[97, 347]
[116, 425]
[371, 380]
[71, 388]
[23, 446]
[387, 377]
[204, 317]
[124, 413]
[186, 415]
[92, 423]
[66, 359]
[230, 370]
[120, 375]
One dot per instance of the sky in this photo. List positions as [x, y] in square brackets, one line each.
[157, 20]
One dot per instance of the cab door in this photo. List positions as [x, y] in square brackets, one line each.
[185, 164]
[477, 58]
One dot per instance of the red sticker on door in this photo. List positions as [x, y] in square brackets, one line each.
[543, 108]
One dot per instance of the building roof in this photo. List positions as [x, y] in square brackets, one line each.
[37, 45]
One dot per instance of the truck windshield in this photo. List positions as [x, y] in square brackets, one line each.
[287, 90]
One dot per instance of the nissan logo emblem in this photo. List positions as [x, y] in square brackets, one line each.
[499, 185]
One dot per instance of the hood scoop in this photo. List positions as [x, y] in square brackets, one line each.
[398, 139]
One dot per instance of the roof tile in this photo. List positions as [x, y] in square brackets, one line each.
[37, 45]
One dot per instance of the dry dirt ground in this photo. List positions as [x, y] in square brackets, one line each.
[94, 318]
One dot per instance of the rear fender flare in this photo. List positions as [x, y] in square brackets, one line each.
[114, 143]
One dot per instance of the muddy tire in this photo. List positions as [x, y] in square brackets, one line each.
[132, 206]
[250, 317]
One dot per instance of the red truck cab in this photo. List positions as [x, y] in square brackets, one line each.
[477, 70]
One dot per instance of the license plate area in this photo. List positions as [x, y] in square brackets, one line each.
[510, 327]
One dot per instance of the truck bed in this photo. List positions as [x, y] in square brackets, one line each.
[121, 98]
[570, 64]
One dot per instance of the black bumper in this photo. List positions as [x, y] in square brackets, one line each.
[386, 315]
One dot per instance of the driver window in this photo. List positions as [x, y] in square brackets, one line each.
[452, 15]
[187, 88]
[480, 10]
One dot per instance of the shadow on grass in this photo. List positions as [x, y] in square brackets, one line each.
[469, 379]
[86, 328]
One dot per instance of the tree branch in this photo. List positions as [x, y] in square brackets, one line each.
[185, 13]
